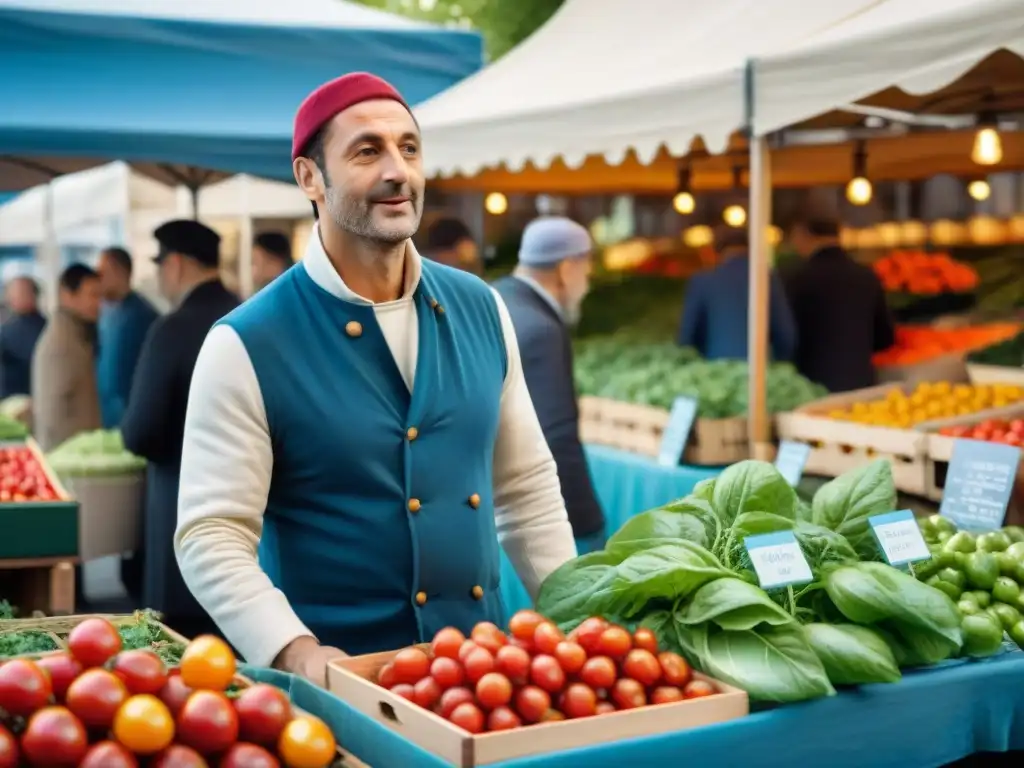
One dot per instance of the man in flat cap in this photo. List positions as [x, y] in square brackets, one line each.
[363, 423]
[271, 257]
[154, 421]
[544, 296]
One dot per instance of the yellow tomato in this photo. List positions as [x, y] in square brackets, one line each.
[207, 664]
[307, 743]
[144, 725]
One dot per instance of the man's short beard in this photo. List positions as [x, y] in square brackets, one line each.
[355, 216]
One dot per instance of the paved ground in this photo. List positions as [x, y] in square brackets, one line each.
[104, 592]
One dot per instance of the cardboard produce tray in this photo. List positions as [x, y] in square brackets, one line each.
[39, 529]
[995, 374]
[351, 679]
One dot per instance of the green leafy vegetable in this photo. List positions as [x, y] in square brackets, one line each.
[845, 504]
[26, 642]
[852, 655]
[577, 589]
[657, 526]
[732, 604]
[665, 572]
[753, 486]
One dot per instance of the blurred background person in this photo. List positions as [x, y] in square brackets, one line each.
[450, 242]
[19, 334]
[271, 257]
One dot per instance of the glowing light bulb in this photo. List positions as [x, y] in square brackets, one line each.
[979, 190]
[988, 148]
[496, 203]
[859, 191]
[735, 216]
[684, 203]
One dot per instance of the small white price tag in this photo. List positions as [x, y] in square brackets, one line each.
[778, 559]
[899, 537]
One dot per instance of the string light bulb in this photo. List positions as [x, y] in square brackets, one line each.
[735, 216]
[979, 190]
[496, 203]
[988, 147]
[684, 203]
[859, 190]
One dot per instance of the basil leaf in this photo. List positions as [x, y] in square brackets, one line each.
[704, 490]
[665, 572]
[658, 526]
[753, 486]
[756, 523]
[578, 589]
[915, 647]
[822, 546]
[845, 504]
[852, 655]
[732, 604]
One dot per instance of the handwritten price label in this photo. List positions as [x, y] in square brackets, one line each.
[899, 537]
[778, 559]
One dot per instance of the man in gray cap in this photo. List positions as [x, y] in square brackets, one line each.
[544, 296]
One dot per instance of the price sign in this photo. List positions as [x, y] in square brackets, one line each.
[899, 537]
[791, 459]
[979, 483]
[778, 559]
[677, 431]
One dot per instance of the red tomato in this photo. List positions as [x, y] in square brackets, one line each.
[1017, 426]
[447, 642]
[465, 649]
[546, 673]
[179, 756]
[63, 669]
[579, 700]
[468, 717]
[174, 693]
[488, 636]
[599, 672]
[674, 669]
[140, 671]
[404, 690]
[571, 656]
[646, 639]
[208, 722]
[263, 712]
[451, 698]
[95, 697]
[531, 703]
[426, 692]
[24, 687]
[628, 694]
[447, 672]
[997, 436]
[666, 694]
[108, 754]
[526, 645]
[513, 662]
[547, 637]
[523, 624]
[411, 665]
[642, 666]
[1012, 438]
[9, 757]
[386, 676]
[588, 634]
[552, 716]
[478, 662]
[55, 738]
[697, 689]
[605, 707]
[614, 642]
[493, 690]
[94, 642]
[503, 719]
[244, 755]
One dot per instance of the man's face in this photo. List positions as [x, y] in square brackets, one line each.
[801, 241]
[20, 296]
[169, 277]
[373, 187]
[265, 267]
[575, 277]
[113, 280]
[85, 302]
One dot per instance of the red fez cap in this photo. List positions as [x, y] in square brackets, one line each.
[334, 97]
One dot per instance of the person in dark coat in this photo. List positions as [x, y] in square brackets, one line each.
[271, 257]
[450, 242]
[716, 306]
[544, 296]
[18, 336]
[840, 309]
[154, 422]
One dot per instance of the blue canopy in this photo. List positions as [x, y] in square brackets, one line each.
[212, 84]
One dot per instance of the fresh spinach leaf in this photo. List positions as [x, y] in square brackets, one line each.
[665, 572]
[916, 647]
[658, 526]
[822, 546]
[845, 504]
[704, 490]
[578, 589]
[732, 604]
[753, 486]
[852, 655]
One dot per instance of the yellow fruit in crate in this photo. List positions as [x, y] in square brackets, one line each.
[859, 408]
[963, 391]
[942, 388]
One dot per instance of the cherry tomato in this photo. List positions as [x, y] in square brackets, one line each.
[427, 692]
[546, 673]
[411, 665]
[179, 756]
[478, 663]
[646, 639]
[513, 662]
[628, 694]
[447, 672]
[524, 623]
[24, 687]
[604, 707]
[579, 700]
[599, 672]
[503, 719]
[642, 666]
[208, 722]
[404, 690]
[526, 645]
[547, 637]
[468, 717]
[108, 754]
[140, 671]
[465, 649]
[144, 725]
[531, 703]
[244, 755]
[674, 669]
[552, 716]
[174, 693]
[447, 642]
[588, 634]
[493, 690]
[451, 698]
[571, 656]
[63, 668]
[307, 743]
[55, 738]
[95, 697]
[263, 712]
[614, 642]
[386, 676]
[9, 755]
[94, 642]
[207, 664]
[697, 689]
[666, 694]
[487, 635]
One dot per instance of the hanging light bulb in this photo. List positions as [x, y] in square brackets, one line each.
[859, 189]
[496, 203]
[988, 147]
[735, 216]
[684, 203]
[979, 190]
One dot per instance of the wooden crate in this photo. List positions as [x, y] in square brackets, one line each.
[995, 374]
[45, 584]
[950, 367]
[841, 446]
[351, 680]
[58, 627]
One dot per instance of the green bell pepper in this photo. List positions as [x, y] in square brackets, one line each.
[981, 569]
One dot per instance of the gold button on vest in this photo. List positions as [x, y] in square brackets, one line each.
[353, 329]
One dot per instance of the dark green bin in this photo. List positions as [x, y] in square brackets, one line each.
[38, 529]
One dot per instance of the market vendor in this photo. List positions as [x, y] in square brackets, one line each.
[363, 423]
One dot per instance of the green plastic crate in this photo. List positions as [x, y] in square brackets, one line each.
[38, 529]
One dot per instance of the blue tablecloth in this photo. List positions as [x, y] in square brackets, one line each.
[930, 718]
[626, 485]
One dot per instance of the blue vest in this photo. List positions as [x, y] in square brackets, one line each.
[379, 526]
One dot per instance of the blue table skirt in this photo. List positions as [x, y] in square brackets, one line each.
[928, 719]
[626, 485]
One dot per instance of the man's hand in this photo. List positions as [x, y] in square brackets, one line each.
[305, 657]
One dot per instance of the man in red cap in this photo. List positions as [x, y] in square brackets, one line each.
[363, 423]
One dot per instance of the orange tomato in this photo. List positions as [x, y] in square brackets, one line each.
[144, 725]
[207, 664]
[307, 743]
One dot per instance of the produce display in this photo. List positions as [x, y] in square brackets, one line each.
[924, 274]
[22, 477]
[1009, 353]
[98, 705]
[918, 344]
[682, 571]
[929, 401]
[495, 681]
[984, 573]
[12, 428]
[1006, 431]
[94, 454]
